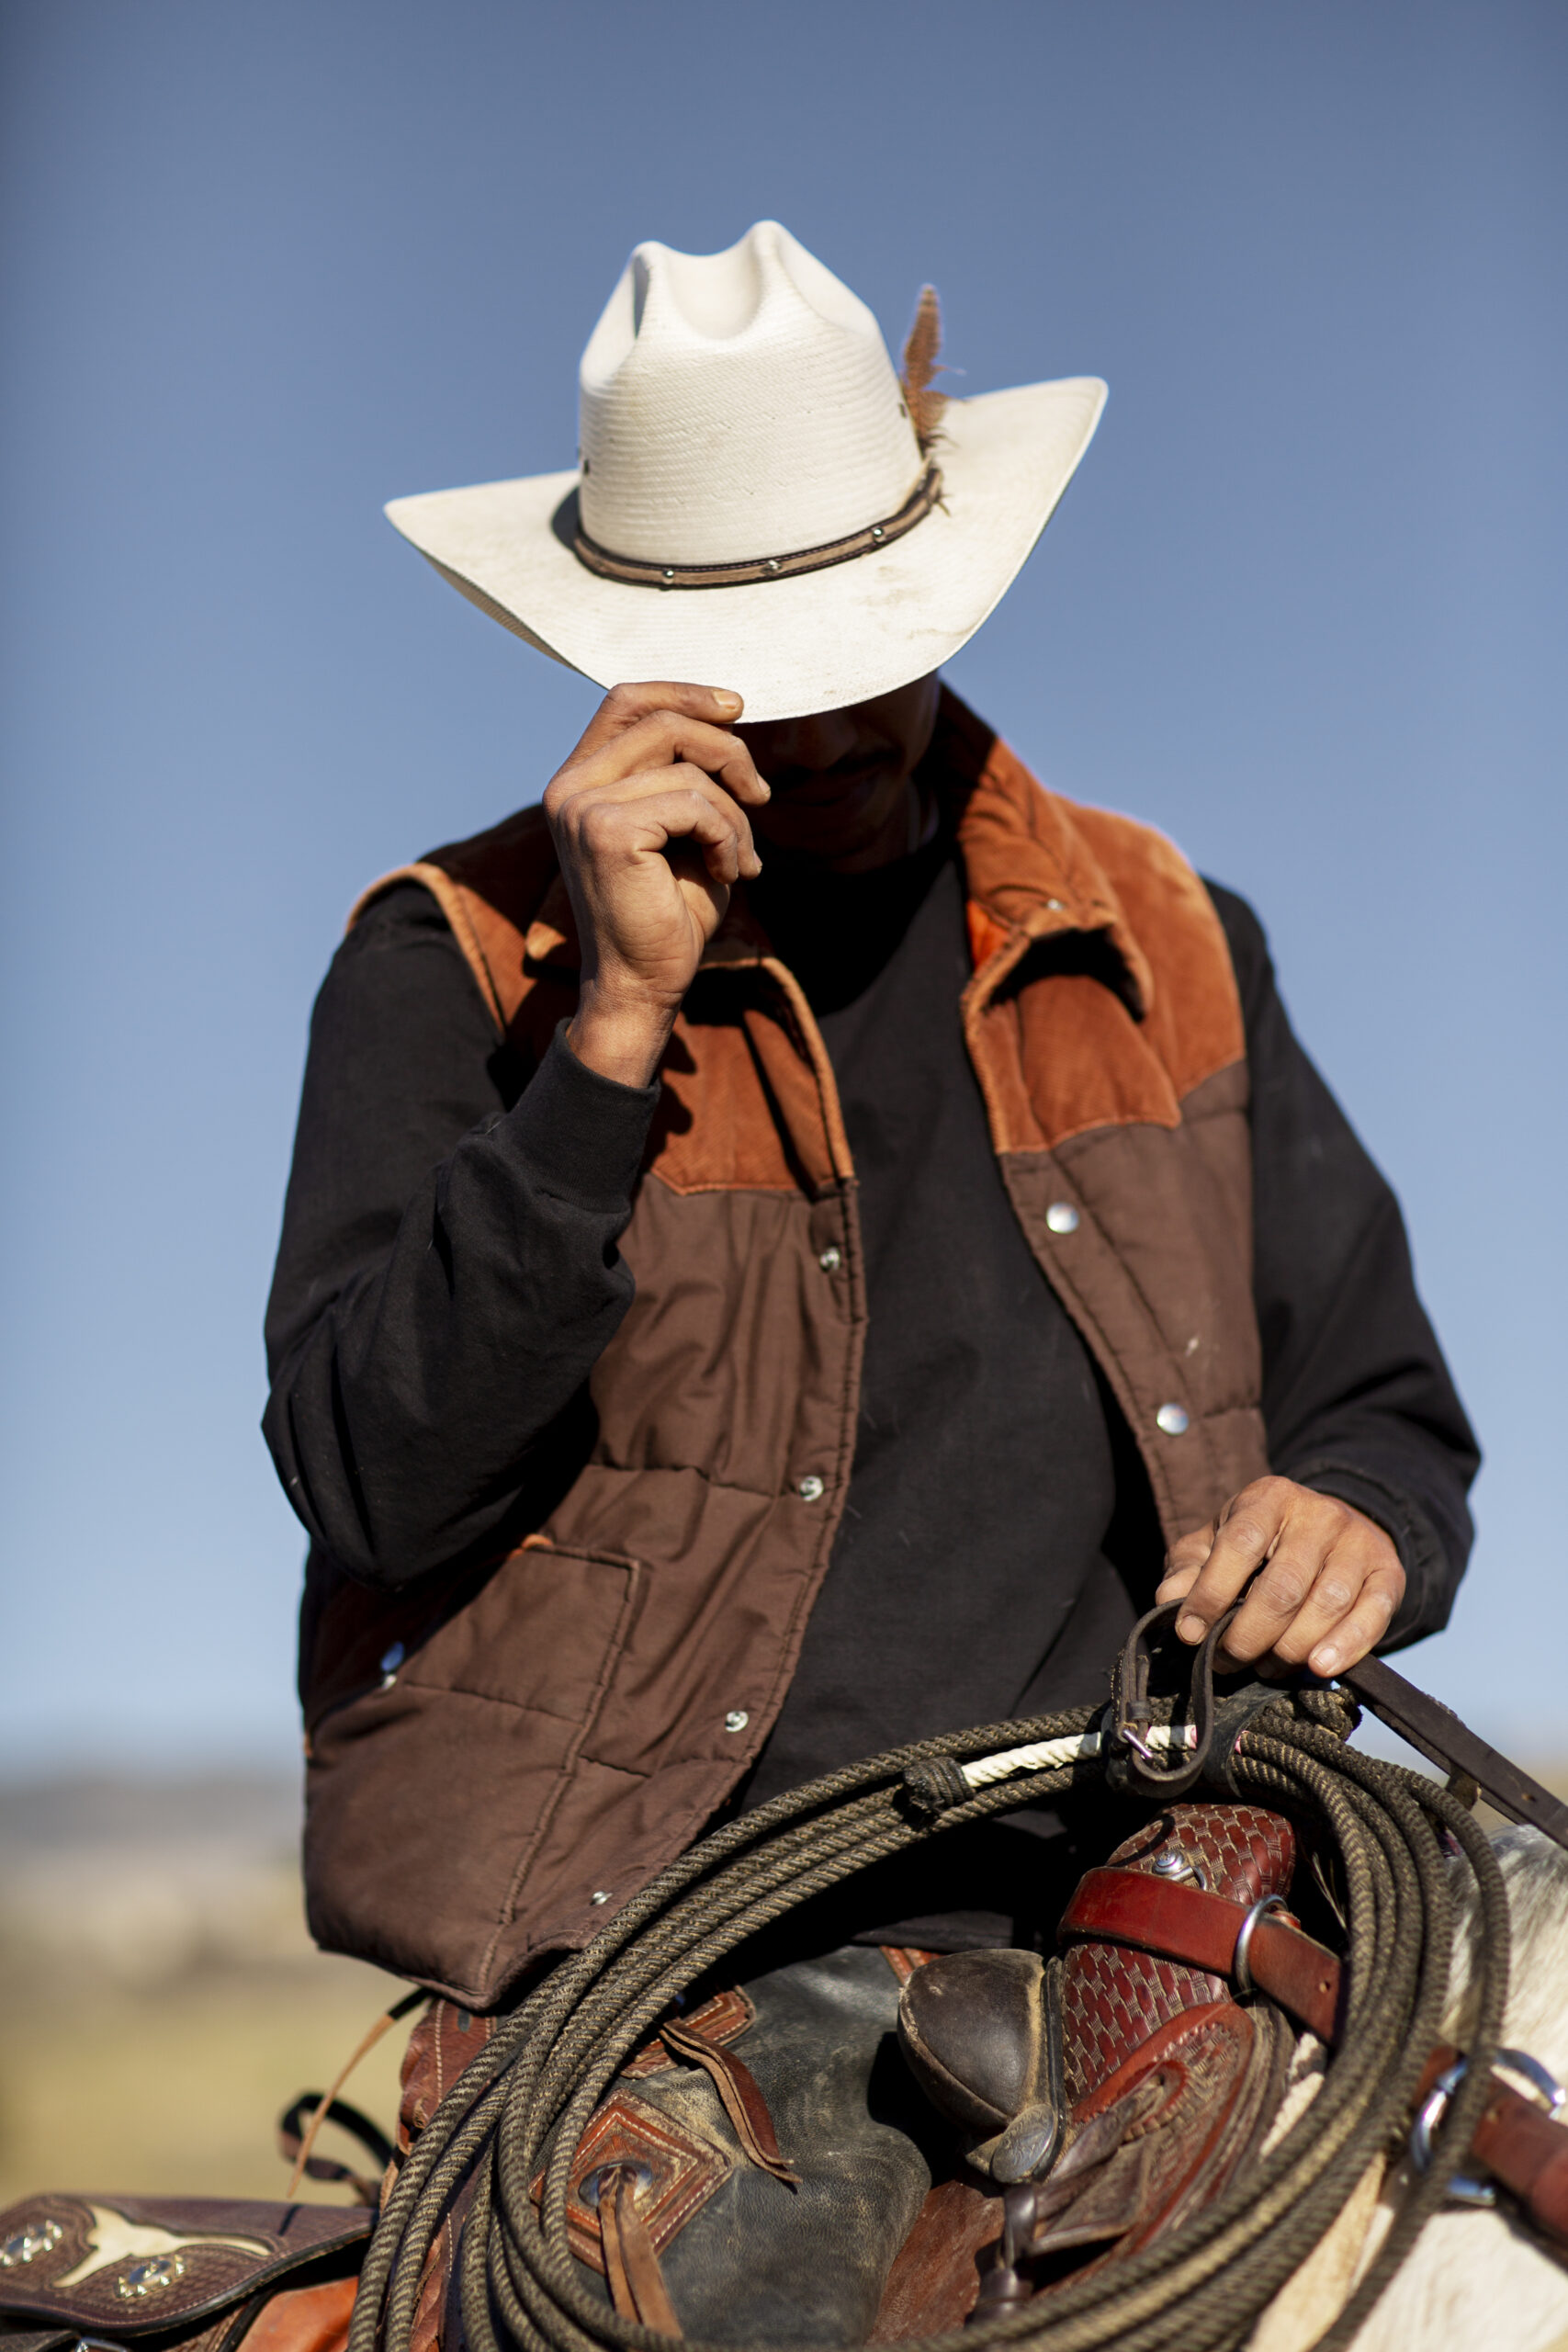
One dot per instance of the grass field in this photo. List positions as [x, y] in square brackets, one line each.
[160, 2001]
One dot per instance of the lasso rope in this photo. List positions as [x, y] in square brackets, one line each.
[524, 2101]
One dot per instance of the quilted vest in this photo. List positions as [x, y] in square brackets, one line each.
[564, 1720]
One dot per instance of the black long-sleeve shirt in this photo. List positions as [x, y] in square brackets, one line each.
[449, 1276]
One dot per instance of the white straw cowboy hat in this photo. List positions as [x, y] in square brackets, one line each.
[762, 503]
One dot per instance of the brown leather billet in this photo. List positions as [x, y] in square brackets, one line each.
[636, 2283]
[743, 2101]
[1181, 1922]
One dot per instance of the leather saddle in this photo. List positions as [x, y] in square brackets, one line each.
[1099, 2097]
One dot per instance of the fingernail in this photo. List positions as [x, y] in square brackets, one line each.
[723, 694]
[1325, 1661]
[1191, 1628]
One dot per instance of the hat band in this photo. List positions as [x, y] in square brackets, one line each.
[636, 574]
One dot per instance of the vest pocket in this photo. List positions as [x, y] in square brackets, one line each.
[429, 1796]
[543, 1632]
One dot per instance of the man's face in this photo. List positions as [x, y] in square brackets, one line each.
[840, 779]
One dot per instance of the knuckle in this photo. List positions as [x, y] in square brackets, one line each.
[1337, 1592]
[1247, 1533]
[597, 824]
[1285, 1586]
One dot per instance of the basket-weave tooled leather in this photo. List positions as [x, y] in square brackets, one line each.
[1114, 1997]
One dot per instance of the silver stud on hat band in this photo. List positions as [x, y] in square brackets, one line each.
[633, 572]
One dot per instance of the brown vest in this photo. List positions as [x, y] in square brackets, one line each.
[566, 1721]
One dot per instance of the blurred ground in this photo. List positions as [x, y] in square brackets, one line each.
[160, 2001]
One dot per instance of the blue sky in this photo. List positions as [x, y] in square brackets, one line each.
[264, 266]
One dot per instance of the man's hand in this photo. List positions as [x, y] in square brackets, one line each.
[1327, 1593]
[650, 820]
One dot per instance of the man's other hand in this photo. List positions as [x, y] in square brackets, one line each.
[1330, 1585]
[649, 822]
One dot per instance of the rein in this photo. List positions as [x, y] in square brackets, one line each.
[525, 2102]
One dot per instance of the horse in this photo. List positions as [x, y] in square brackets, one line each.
[1476, 2276]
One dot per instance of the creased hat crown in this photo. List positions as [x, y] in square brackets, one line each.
[738, 405]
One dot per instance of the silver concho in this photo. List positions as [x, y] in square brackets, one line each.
[25, 2244]
[152, 2272]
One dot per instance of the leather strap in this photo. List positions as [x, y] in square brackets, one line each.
[1183, 1923]
[631, 2266]
[1134, 1762]
[1520, 2146]
[1439, 1735]
[743, 2101]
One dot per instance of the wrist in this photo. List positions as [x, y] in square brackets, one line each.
[621, 1039]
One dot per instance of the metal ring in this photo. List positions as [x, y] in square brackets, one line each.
[1519, 2061]
[1239, 1968]
[1462, 2190]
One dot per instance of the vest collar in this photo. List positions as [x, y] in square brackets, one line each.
[1028, 873]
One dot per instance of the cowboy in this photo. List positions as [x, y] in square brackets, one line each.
[796, 1241]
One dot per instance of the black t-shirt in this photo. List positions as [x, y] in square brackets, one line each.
[970, 1581]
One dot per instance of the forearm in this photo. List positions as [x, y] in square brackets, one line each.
[415, 1413]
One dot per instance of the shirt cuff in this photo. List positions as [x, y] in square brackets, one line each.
[583, 1134]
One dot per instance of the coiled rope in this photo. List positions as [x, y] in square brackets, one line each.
[527, 2098]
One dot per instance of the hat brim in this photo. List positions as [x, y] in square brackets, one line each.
[813, 641]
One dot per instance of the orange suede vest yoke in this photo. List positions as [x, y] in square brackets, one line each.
[566, 1723]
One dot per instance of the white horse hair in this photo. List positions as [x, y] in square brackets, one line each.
[1476, 2280]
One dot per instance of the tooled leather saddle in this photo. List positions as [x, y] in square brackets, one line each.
[1100, 2097]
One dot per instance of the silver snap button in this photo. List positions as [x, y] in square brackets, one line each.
[392, 1659]
[737, 1719]
[602, 1896]
[830, 1259]
[1172, 1420]
[1062, 1217]
[1055, 905]
[811, 1489]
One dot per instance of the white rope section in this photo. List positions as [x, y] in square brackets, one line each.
[1046, 1754]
